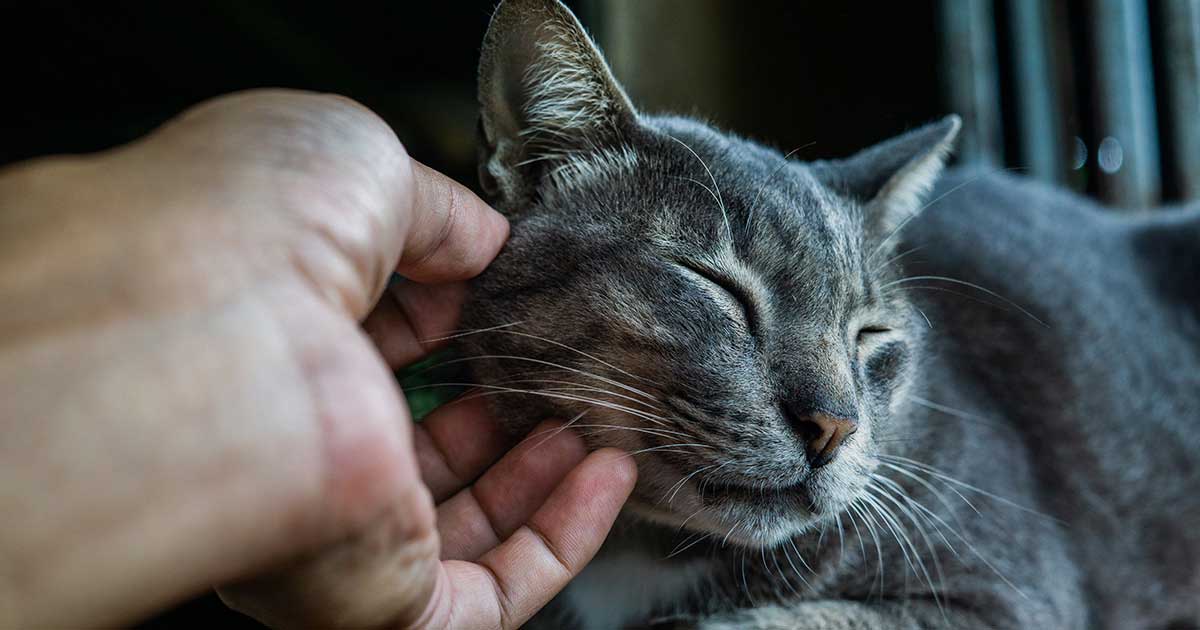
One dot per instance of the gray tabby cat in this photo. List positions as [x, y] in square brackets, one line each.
[990, 418]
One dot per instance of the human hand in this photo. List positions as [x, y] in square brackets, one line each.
[187, 397]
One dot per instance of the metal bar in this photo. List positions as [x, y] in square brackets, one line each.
[972, 81]
[1039, 115]
[1181, 59]
[1127, 154]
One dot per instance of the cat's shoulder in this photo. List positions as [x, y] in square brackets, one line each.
[999, 201]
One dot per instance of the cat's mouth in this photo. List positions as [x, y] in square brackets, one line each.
[749, 511]
[796, 494]
[741, 512]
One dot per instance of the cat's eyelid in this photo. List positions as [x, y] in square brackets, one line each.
[871, 333]
[739, 296]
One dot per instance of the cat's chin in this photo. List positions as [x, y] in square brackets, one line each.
[734, 522]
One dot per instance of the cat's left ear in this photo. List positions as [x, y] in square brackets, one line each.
[893, 177]
[546, 95]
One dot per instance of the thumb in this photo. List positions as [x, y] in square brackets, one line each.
[452, 233]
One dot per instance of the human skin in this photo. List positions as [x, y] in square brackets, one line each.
[197, 342]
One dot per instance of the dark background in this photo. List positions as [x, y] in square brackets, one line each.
[85, 76]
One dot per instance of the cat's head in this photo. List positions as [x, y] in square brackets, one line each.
[697, 299]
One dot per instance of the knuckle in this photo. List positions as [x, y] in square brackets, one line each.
[295, 129]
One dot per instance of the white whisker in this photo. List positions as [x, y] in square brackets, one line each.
[783, 164]
[717, 194]
[965, 284]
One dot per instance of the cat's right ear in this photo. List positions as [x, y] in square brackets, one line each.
[892, 178]
[545, 94]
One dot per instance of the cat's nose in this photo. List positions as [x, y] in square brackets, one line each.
[825, 433]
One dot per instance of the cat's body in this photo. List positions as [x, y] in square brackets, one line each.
[834, 429]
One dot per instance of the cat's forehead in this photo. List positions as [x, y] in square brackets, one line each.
[703, 177]
[696, 187]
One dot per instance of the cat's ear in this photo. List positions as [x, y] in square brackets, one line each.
[545, 94]
[893, 177]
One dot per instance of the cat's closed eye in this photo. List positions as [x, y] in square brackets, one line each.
[730, 289]
[865, 333]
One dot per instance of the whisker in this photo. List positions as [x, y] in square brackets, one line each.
[932, 490]
[690, 517]
[982, 558]
[678, 485]
[924, 316]
[907, 512]
[685, 545]
[497, 389]
[800, 557]
[779, 570]
[539, 362]
[962, 484]
[602, 428]
[745, 585]
[466, 332]
[949, 487]
[862, 548]
[795, 571]
[965, 284]
[893, 526]
[921, 211]
[930, 518]
[841, 536]
[729, 533]
[869, 522]
[668, 447]
[896, 258]
[717, 194]
[577, 386]
[956, 413]
[783, 164]
[560, 344]
[551, 433]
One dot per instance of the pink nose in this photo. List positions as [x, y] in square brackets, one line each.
[829, 432]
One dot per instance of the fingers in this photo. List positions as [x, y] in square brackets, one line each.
[482, 515]
[453, 234]
[513, 581]
[455, 444]
[410, 317]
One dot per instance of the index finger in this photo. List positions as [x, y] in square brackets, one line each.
[453, 234]
[513, 581]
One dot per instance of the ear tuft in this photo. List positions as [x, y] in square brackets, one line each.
[893, 177]
[545, 94]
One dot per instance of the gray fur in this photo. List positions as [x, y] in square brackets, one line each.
[690, 296]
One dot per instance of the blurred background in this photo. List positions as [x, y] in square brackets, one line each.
[1102, 96]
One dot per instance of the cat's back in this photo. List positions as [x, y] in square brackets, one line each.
[1051, 266]
[1081, 325]
[1063, 262]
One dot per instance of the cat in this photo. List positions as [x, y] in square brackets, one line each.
[861, 392]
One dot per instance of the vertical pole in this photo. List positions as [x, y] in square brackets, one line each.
[1039, 116]
[1181, 35]
[1127, 153]
[972, 79]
